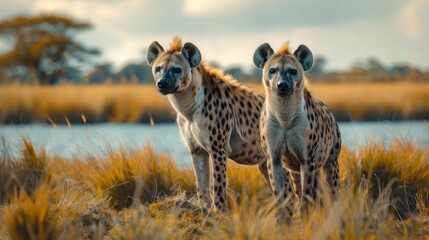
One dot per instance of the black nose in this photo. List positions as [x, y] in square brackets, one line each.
[163, 83]
[283, 86]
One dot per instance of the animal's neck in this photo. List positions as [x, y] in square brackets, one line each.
[185, 102]
[286, 109]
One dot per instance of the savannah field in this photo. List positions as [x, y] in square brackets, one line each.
[144, 195]
[67, 67]
[133, 103]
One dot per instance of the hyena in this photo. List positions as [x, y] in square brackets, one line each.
[297, 130]
[218, 118]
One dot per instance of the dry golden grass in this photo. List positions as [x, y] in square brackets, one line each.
[128, 181]
[82, 103]
[137, 103]
[23, 174]
[373, 101]
[29, 217]
[144, 195]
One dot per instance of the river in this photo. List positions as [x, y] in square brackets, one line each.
[94, 139]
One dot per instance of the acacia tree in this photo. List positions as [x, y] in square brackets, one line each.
[45, 44]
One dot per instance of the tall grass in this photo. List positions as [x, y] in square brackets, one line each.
[28, 217]
[144, 195]
[22, 174]
[403, 168]
[82, 103]
[373, 101]
[140, 103]
[139, 177]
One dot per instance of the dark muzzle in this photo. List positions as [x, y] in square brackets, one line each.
[166, 86]
[285, 88]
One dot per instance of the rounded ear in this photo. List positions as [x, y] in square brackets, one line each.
[153, 52]
[192, 54]
[304, 56]
[261, 55]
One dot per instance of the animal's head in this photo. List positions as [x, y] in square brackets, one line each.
[171, 69]
[283, 72]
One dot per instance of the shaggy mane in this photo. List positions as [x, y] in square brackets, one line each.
[284, 50]
[220, 75]
[175, 45]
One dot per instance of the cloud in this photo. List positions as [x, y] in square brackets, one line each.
[10, 8]
[279, 14]
[414, 20]
[204, 8]
[229, 31]
[198, 16]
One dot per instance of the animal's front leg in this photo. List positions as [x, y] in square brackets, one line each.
[306, 178]
[279, 176]
[219, 158]
[282, 187]
[201, 164]
[276, 174]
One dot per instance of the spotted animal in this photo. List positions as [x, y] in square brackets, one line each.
[298, 131]
[218, 118]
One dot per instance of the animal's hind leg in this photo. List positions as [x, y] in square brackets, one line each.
[289, 196]
[331, 172]
[296, 179]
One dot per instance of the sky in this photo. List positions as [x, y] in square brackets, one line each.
[228, 31]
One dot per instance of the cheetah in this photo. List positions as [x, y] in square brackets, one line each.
[218, 118]
[298, 131]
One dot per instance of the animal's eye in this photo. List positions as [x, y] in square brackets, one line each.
[177, 70]
[293, 72]
[272, 70]
[157, 69]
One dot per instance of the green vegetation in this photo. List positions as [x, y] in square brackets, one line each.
[144, 195]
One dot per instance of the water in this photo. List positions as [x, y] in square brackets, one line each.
[90, 140]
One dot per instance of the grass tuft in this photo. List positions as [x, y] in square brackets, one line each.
[24, 173]
[144, 195]
[142, 177]
[28, 217]
[402, 167]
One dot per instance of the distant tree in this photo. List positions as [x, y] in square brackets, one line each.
[358, 66]
[371, 64]
[100, 73]
[401, 70]
[257, 74]
[45, 44]
[234, 71]
[375, 65]
[318, 66]
[141, 71]
[132, 72]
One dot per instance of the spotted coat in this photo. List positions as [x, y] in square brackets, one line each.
[218, 118]
[298, 132]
